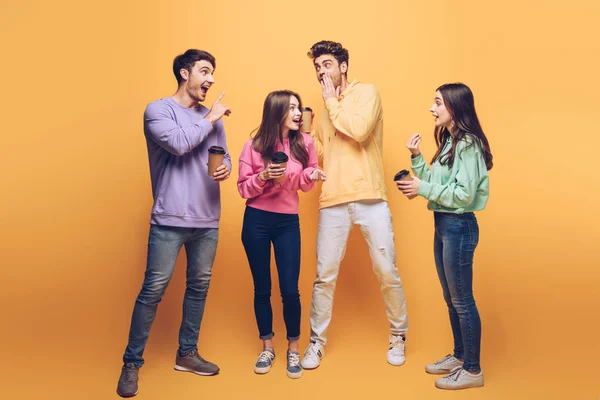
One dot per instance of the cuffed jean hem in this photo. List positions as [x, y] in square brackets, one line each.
[184, 353]
[267, 337]
[293, 338]
[136, 364]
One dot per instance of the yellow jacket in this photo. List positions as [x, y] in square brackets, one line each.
[349, 137]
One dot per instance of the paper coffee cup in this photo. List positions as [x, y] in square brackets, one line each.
[306, 126]
[403, 175]
[216, 154]
[280, 158]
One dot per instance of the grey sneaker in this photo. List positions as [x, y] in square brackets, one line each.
[266, 358]
[128, 381]
[192, 362]
[460, 379]
[294, 369]
[444, 366]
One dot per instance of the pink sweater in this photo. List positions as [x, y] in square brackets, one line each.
[273, 196]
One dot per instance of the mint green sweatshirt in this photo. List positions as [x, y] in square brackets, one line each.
[462, 188]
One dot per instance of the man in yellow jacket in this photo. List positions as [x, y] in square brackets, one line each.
[349, 138]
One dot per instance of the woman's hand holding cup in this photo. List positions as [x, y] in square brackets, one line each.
[272, 171]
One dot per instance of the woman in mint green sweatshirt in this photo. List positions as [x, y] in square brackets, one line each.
[456, 185]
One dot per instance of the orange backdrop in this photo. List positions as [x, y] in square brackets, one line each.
[76, 193]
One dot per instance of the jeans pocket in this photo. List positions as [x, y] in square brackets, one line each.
[470, 235]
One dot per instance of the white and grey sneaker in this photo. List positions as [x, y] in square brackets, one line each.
[312, 355]
[265, 361]
[460, 379]
[294, 369]
[395, 354]
[444, 366]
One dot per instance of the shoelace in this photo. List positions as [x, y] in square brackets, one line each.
[312, 351]
[194, 354]
[293, 359]
[266, 356]
[444, 360]
[129, 375]
[455, 375]
[395, 345]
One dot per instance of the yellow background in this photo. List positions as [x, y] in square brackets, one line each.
[74, 209]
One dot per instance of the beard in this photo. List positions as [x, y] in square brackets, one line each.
[336, 78]
[197, 94]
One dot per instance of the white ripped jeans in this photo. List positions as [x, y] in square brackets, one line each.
[375, 222]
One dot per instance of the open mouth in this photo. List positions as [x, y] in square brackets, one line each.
[204, 89]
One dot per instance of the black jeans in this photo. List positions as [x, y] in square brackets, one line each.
[260, 229]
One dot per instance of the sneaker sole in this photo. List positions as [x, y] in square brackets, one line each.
[184, 369]
[128, 396]
[264, 370]
[471, 386]
[396, 365]
[293, 375]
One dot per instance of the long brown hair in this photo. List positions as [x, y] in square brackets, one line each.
[459, 102]
[275, 111]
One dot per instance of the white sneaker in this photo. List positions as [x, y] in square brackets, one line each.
[460, 379]
[312, 355]
[444, 366]
[395, 354]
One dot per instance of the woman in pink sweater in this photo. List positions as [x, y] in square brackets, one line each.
[270, 181]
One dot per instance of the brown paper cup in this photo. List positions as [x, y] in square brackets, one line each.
[403, 175]
[282, 159]
[282, 177]
[306, 126]
[216, 155]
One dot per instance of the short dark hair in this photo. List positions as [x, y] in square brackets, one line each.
[188, 59]
[328, 47]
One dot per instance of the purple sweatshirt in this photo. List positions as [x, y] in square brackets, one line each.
[178, 139]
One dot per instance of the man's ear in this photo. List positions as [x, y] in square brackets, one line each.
[185, 74]
[344, 67]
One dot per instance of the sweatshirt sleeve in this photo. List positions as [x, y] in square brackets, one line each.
[161, 128]
[420, 168]
[356, 120]
[306, 183]
[249, 184]
[460, 192]
[221, 141]
[317, 136]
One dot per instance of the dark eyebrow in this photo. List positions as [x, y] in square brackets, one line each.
[325, 61]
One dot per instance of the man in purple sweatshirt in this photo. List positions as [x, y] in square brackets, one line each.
[186, 211]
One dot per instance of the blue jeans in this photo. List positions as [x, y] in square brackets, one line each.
[456, 237]
[259, 230]
[164, 244]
